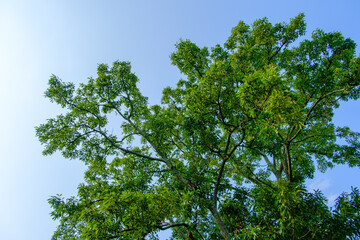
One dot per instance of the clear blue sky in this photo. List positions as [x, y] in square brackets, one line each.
[69, 39]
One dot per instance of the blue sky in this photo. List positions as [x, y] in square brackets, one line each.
[69, 39]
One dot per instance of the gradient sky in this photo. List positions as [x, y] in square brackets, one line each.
[69, 39]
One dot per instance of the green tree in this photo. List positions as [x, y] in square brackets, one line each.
[226, 153]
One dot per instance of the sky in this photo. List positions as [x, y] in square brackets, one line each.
[70, 38]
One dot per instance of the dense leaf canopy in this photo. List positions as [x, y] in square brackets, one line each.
[226, 153]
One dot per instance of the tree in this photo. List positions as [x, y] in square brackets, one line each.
[226, 153]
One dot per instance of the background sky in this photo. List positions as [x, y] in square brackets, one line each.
[69, 39]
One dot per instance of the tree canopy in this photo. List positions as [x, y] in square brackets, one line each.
[226, 153]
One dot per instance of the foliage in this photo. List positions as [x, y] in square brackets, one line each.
[226, 153]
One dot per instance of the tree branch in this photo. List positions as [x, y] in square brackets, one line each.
[216, 189]
[166, 226]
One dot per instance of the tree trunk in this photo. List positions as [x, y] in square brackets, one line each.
[220, 224]
[288, 162]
